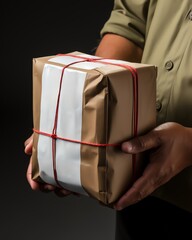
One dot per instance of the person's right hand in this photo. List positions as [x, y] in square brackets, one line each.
[34, 184]
[169, 147]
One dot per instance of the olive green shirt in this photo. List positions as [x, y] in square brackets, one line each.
[163, 29]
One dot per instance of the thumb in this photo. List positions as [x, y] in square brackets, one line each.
[141, 143]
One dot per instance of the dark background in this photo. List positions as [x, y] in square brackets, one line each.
[34, 29]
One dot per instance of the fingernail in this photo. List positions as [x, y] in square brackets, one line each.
[118, 208]
[126, 147]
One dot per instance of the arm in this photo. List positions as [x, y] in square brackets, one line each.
[169, 145]
[117, 47]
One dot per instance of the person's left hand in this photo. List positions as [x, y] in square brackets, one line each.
[44, 187]
[170, 151]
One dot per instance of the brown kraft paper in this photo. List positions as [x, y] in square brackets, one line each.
[106, 172]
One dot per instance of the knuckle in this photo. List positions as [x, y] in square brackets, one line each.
[160, 179]
[141, 142]
[138, 144]
[140, 194]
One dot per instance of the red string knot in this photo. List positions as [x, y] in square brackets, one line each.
[54, 136]
[90, 59]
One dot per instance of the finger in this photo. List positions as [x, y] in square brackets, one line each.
[28, 145]
[151, 179]
[34, 185]
[28, 140]
[141, 143]
[135, 194]
[62, 192]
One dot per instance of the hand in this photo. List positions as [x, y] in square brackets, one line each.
[170, 152]
[35, 185]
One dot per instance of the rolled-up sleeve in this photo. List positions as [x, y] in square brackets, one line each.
[128, 19]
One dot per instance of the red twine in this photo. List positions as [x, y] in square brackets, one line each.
[54, 135]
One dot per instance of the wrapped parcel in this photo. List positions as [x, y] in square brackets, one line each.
[84, 107]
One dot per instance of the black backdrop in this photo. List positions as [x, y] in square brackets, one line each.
[32, 29]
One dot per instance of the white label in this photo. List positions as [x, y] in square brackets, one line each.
[68, 156]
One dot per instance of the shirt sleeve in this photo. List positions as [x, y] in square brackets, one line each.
[128, 19]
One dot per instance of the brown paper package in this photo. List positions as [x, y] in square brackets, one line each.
[107, 117]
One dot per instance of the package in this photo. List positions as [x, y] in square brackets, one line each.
[84, 107]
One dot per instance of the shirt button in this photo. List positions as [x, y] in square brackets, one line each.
[169, 65]
[158, 105]
[190, 15]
